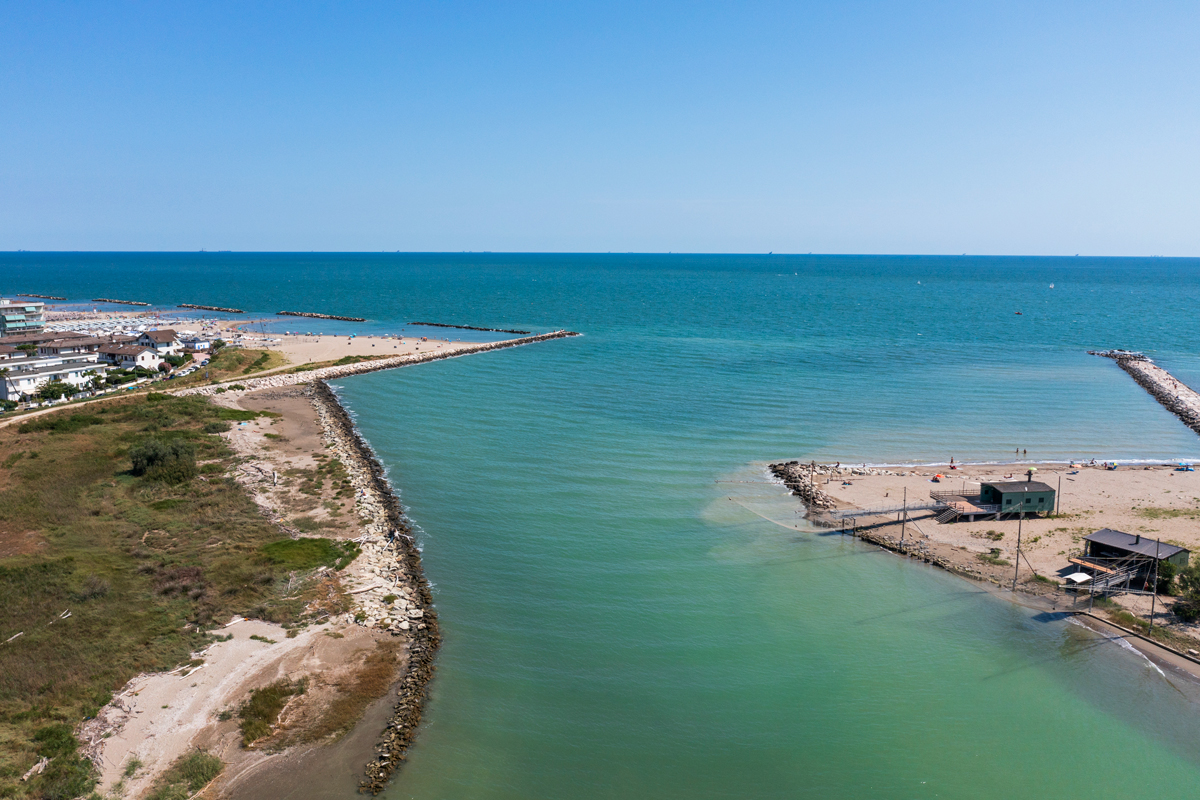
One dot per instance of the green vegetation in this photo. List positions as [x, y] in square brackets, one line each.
[260, 712]
[993, 557]
[185, 777]
[1187, 608]
[1169, 513]
[341, 362]
[172, 461]
[143, 565]
[305, 554]
[226, 363]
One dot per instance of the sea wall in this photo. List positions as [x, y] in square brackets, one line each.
[327, 373]
[1178, 398]
[420, 623]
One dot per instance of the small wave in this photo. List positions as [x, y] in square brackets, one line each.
[1120, 641]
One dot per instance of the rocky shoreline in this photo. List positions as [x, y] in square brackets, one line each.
[802, 480]
[412, 613]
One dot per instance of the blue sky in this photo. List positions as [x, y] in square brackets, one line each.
[841, 127]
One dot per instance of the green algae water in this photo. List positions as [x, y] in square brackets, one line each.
[631, 608]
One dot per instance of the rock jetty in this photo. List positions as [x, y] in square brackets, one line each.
[411, 613]
[1178, 398]
[468, 328]
[327, 373]
[212, 308]
[314, 315]
[119, 302]
[43, 296]
[801, 479]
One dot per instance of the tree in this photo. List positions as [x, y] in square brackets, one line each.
[56, 390]
[28, 348]
[1187, 608]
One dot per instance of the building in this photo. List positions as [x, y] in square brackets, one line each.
[42, 337]
[24, 381]
[1012, 497]
[164, 342]
[1107, 543]
[130, 356]
[80, 344]
[21, 317]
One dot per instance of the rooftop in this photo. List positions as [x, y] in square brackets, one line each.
[1008, 487]
[162, 337]
[1134, 544]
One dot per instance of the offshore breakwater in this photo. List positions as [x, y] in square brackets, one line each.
[212, 308]
[1177, 397]
[313, 315]
[421, 625]
[468, 327]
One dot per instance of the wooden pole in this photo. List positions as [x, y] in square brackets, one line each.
[904, 524]
[1020, 520]
[1058, 497]
[1154, 588]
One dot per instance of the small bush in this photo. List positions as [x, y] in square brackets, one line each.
[260, 712]
[186, 776]
[1166, 577]
[236, 415]
[993, 557]
[172, 461]
[216, 427]
[94, 587]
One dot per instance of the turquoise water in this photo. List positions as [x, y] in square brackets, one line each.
[629, 607]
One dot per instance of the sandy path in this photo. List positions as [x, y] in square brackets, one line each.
[159, 717]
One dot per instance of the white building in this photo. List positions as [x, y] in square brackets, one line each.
[164, 342]
[129, 356]
[25, 377]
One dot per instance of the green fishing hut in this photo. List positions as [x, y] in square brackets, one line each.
[1013, 497]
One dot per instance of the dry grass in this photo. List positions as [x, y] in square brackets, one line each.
[142, 566]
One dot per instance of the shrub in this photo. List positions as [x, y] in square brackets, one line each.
[216, 427]
[56, 423]
[1166, 578]
[260, 712]
[173, 461]
[187, 776]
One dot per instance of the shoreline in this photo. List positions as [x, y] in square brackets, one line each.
[426, 639]
[887, 532]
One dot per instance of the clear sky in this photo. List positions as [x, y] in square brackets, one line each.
[839, 127]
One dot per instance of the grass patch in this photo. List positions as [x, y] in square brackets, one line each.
[310, 553]
[259, 714]
[144, 568]
[993, 557]
[185, 777]
[1169, 513]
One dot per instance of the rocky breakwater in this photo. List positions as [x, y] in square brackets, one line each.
[327, 373]
[314, 315]
[802, 480]
[1178, 398]
[393, 570]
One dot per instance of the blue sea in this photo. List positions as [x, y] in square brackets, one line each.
[632, 610]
